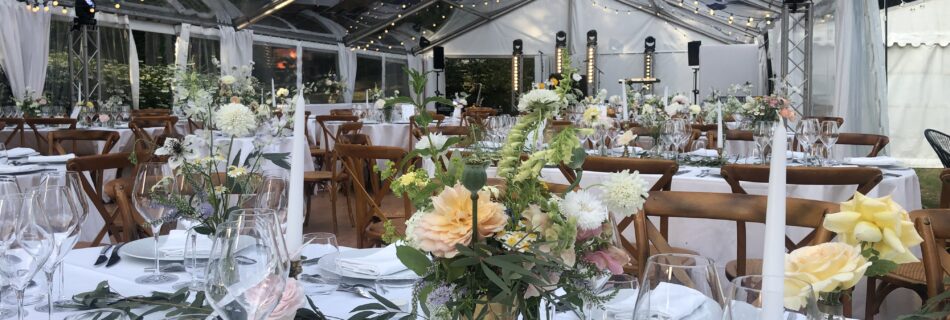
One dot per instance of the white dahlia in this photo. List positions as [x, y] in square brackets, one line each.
[624, 192]
[235, 119]
[589, 212]
[538, 98]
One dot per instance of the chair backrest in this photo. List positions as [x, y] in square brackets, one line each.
[355, 138]
[348, 128]
[358, 162]
[341, 112]
[865, 178]
[839, 120]
[741, 208]
[933, 225]
[140, 123]
[119, 224]
[665, 168]
[151, 112]
[3, 125]
[415, 132]
[875, 141]
[56, 138]
[940, 142]
[42, 141]
[945, 193]
[306, 128]
[17, 124]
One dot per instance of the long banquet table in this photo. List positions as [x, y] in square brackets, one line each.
[126, 137]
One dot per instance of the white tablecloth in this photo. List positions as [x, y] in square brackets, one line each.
[380, 134]
[124, 144]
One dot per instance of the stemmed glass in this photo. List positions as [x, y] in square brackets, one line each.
[762, 134]
[624, 287]
[272, 193]
[27, 241]
[746, 295]
[245, 276]
[829, 136]
[153, 181]
[322, 244]
[267, 218]
[807, 136]
[683, 133]
[9, 185]
[65, 218]
[679, 286]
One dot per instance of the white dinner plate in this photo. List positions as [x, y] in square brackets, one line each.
[145, 249]
[328, 263]
[23, 169]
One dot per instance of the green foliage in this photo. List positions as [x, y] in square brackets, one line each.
[879, 267]
[154, 88]
[494, 74]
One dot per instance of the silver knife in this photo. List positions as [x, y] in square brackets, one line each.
[115, 255]
[102, 255]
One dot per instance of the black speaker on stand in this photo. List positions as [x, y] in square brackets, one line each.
[438, 65]
[693, 53]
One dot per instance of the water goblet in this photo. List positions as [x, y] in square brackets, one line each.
[829, 136]
[153, 183]
[677, 286]
[27, 244]
[245, 276]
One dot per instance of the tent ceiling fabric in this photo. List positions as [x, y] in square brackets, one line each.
[397, 25]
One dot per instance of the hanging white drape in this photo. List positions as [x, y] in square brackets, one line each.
[181, 46]
[860, 92]
[133, 65]
[347, 68]
[413, 62]
[24, 45]
[237, 48]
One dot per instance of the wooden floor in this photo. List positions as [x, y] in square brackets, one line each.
[320, 220]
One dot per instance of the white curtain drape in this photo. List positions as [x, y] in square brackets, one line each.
[413, 62]
[860, 88]
[24, 45]
[918, 99]
[237, 48]
[181, 46]
[133, 65]
[347, 68]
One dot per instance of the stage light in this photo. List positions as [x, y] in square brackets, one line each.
[649, 49]
[560, 44]
[591, 62]
[517, 69]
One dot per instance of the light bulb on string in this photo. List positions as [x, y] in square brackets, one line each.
[117, 6]
[65, 11]
[45, 8]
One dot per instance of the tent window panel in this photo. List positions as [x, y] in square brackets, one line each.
[6, 95]
[396, 78]
[114, 52]
[200, 54]
[56, 86]
[277, 63]
[369, 74]
[319, 66]
[494, 74]
[156, 60]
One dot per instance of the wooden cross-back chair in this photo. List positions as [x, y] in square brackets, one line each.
[140, 123]
[738, 135]
[316, 153]
[864, 178]
[945, 193]
[17, 124]
[415, 132]
[478, 116]
[337, 180]
[42, 141]
[875, 141]
[56, 139]
[666, 169]
[330, 135]
[151, 112]
[341, 112]
[348, 128]
[3, 125]
[926, 278]
[726, 206]
[358, 162]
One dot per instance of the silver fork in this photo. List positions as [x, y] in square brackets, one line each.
[703, 173]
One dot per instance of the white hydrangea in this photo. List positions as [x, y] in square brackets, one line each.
[380, 103]
[624, 192]
[539, 97]
[228, 80]
[589, 212]
[235, 119]
[437, 141]
[411, 226]
[695, 109]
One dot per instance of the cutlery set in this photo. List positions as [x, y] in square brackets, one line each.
[106, 258]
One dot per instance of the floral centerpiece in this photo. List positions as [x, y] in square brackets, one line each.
[31, 104]
[108, 109]
[767, 108]
[332, 87]
[495, 252]
[874, 236]
[202, 195]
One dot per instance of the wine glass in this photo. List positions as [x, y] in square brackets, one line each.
[272, 193]
[746, 295]
[10, 204]
[807, 136]
[28, 245]
[195, 258]
[624, 289]
[267, 218]
[9, 185]
[829, 136]
[72, 181]
[322, 244]
[152, 184]
[679, 286]
[65, 219]
[762, 134]
[245, 277]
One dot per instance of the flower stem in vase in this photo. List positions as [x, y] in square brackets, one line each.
[830, 307]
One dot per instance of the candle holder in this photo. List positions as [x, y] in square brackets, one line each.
[296, 268]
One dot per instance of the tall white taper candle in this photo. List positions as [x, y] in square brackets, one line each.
[719, 142]
[623, 99]
[295, 203]
[273, 97]
[773, 257]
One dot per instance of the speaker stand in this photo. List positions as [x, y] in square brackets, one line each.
[437, 93]
[695, 85]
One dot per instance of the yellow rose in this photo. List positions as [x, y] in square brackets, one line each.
[828, 266]
[626, 137]
[878, 221]
[450, 221]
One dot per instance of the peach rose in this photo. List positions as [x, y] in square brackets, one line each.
[290, 300]
[878, 221]
[450, 222]
[828, 266]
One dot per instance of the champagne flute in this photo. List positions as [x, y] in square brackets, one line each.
[65, 219]
[245, 276]
[829, 136]
[677, 286]
[29, 246]
[152, 183]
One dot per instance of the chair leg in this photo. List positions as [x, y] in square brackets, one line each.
[308, 193]
[348, 188]
[333, 195]
[870, 309]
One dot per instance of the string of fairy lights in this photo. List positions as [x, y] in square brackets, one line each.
[50, 5]
[698, 8]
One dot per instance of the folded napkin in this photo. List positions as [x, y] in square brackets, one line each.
[20, 152]
[174, 244]
[704, 153]
[794, 155]
[872, 161]
[631, 149]
[50, 159]
[744, 310]
[676, 302]
[380, 263]
[10, 169]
